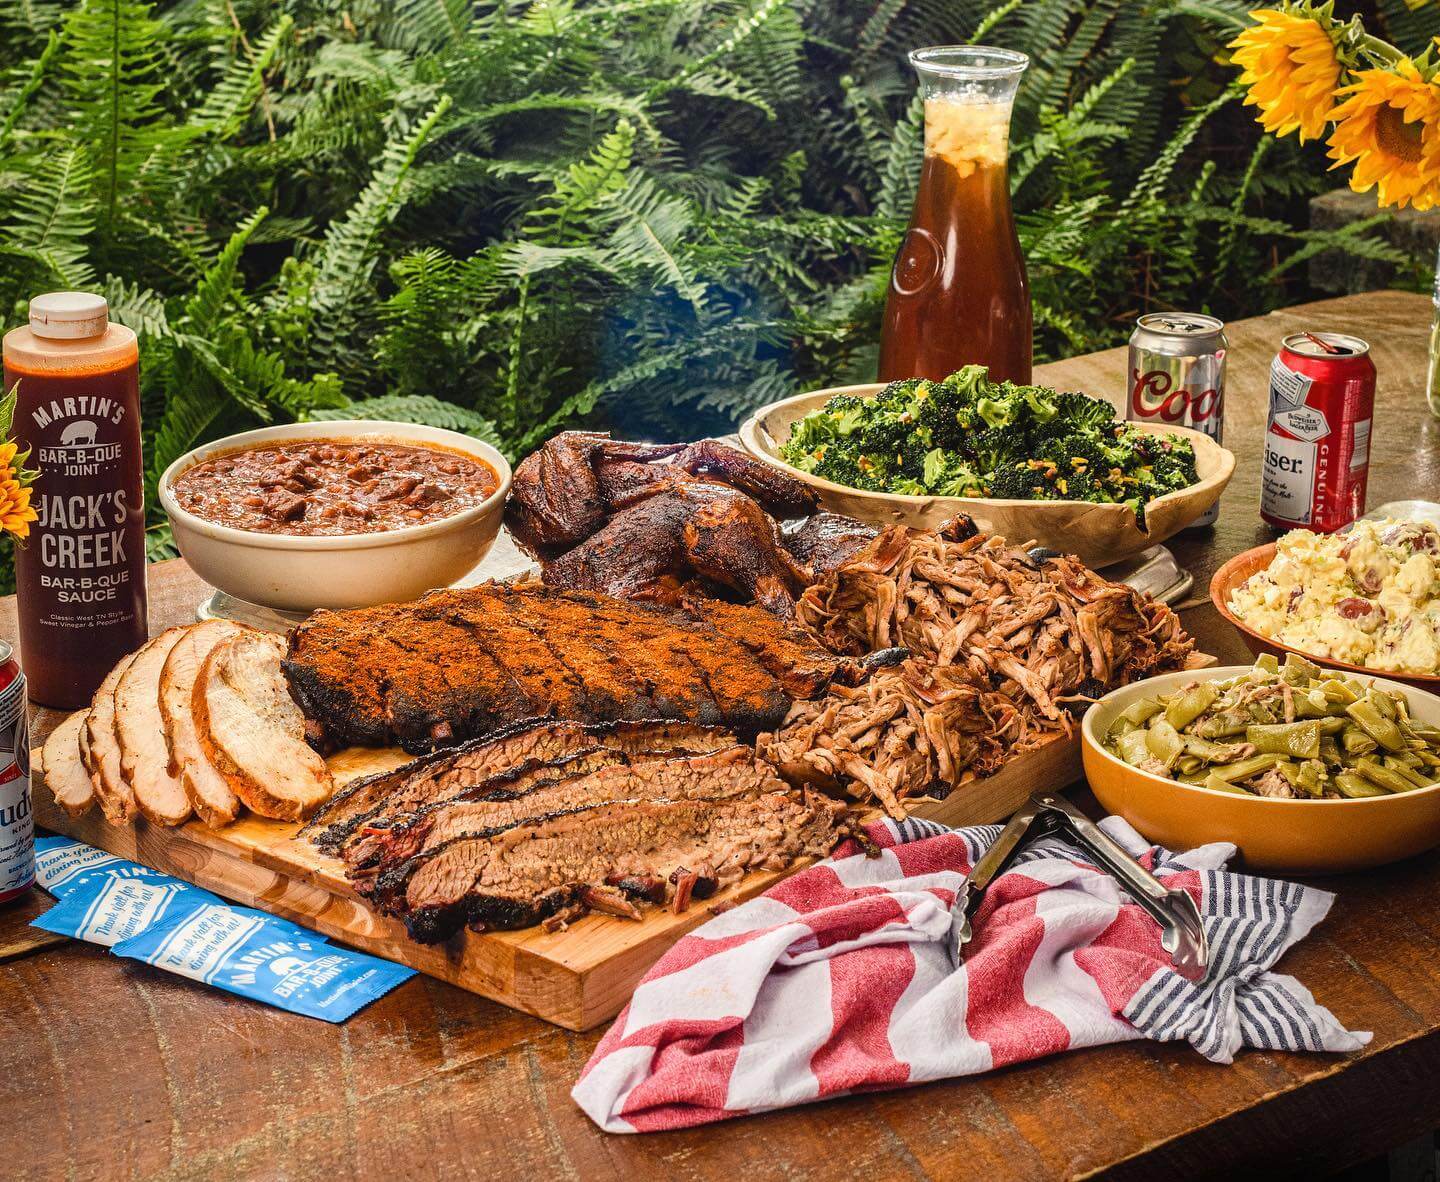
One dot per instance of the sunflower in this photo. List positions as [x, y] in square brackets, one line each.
[15, 511]
[1389, 124]
[1291, 70]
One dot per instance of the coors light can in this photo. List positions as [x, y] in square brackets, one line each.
[17, 826]
[1317, 439]
[1177, 376]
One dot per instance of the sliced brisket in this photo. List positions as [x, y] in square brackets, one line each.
[388, 857]
[528, 751]
[533, 869]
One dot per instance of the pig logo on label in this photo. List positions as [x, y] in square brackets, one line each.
[80, 433]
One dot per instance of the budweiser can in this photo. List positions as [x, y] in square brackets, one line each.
[1317, 440]
[17, 826]
[1177, 376]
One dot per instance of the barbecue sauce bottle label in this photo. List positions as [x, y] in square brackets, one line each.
[80, 577]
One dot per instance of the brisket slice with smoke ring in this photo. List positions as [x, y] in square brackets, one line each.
[372, 835]
[531, 748]
[461, 663]
[389, 857]
[530, 871]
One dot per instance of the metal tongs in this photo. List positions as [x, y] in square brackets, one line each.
[1045, 815]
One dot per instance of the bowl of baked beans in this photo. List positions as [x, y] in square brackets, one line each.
[336, 514]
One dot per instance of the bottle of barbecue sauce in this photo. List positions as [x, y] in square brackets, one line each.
[80, 578]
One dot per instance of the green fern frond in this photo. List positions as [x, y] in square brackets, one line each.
[14, 103]
[139, 309]
[54, 214]
[416, 408]
[230, 101]
[111, 69]
[349, 252]
[214, 293]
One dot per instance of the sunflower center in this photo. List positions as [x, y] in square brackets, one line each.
[1395, 137]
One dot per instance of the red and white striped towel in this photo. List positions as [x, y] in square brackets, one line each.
[839, 979]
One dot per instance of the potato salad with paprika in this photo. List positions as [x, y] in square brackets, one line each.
[1368, 597]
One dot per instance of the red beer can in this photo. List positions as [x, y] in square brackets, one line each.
[1317, 439]
[17, 826]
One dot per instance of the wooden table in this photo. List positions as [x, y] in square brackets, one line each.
[109, 1069]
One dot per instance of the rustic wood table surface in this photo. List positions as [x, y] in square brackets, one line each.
[109, 1069]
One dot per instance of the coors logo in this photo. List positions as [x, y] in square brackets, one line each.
[1154, 395]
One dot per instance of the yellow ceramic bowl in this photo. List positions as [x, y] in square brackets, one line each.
[1278, 836]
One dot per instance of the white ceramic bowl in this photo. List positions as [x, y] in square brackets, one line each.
[1098, 534]
[292, 573]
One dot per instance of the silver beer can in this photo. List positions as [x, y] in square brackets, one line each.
[1177, 376]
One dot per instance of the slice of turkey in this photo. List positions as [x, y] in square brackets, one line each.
[205, 786]
[144, 757]
[65, 774]
[117, 799]
[252, 730]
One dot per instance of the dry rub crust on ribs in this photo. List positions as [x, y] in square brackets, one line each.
[1000, 640]
[457, 664]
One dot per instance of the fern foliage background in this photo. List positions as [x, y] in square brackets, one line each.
[506, 217]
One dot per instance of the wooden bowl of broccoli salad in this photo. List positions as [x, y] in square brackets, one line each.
[1025, 462]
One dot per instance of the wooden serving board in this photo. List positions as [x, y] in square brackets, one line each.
[577, 978]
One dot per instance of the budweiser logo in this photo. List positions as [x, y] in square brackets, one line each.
[1154, 395]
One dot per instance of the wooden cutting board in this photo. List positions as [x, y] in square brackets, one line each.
[577, 978]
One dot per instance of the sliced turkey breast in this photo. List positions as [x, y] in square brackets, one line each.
[144, 756]
[65, 774]
[117, 799]
[252, 730]
[205, 786]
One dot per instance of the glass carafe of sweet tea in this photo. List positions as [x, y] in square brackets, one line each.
[958, 291]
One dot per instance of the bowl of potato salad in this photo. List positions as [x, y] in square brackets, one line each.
[1366, 600]
[1304, 768]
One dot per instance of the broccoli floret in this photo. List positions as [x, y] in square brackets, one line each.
[949, 474]
[910, 456]
[907, 487]
[1177, 449]
[1173, 472]
[1083, 413]
[1018, 482]
[1010, 404]
[1074, 451]
[1078, 485]
[800, 457]
[948, 409]
[1132, 448]
[849, 468]
[900, 399]
[994, 447]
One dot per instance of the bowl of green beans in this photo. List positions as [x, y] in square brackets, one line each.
[1305, 769]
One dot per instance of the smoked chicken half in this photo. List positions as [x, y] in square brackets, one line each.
[657, 520]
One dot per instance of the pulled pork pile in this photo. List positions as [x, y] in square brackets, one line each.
[999, 642]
